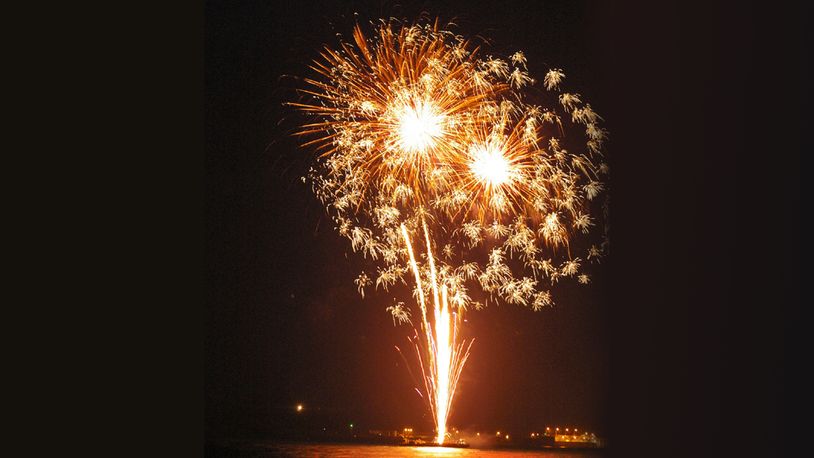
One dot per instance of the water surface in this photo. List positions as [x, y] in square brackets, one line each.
[308, 450]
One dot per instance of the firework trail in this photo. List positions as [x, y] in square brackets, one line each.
[419, 136]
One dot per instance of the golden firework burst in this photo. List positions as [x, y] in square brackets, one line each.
[418, 135]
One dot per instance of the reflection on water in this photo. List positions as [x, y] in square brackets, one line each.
[306, 450]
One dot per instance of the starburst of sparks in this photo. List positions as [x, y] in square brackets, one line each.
[418, 135]
[420, 127]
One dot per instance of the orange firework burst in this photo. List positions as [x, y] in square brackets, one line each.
[418, 135]
[399, 107]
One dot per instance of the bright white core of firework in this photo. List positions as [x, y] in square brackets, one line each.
[490, 165]
[419, 127]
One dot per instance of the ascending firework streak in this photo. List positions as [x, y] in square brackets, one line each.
[418, 135]
[446, 358]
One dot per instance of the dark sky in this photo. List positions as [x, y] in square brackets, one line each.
[680, 335]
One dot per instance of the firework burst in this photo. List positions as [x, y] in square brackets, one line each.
[418, 136]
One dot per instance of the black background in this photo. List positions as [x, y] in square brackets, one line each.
[676, 348]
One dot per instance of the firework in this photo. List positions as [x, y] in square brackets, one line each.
[419, 136]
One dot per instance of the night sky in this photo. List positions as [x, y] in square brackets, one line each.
[680, 334]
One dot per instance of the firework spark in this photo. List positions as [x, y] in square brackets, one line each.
[418, 135]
